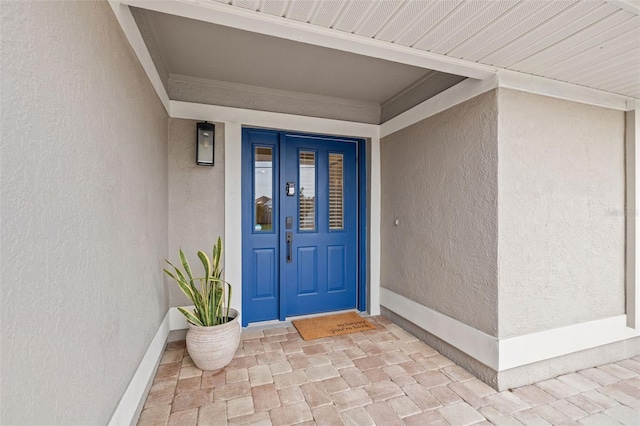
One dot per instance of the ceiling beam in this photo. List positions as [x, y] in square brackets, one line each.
[235, 17]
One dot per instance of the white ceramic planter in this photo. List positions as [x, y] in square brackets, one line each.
[212, 348]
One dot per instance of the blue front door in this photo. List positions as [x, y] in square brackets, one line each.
[300, 224]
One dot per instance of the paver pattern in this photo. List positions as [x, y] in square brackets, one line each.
[378, 377]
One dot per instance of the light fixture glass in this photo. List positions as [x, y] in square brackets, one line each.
[205, 144]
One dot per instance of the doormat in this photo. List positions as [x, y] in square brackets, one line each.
[332, 325]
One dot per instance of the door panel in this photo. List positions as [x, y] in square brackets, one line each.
[322, 275]
[300, 248]
[260, 238]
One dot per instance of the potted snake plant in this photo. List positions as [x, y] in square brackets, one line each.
[214, 331]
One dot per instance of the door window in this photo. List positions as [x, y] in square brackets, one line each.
[307, 204]
[263, 189]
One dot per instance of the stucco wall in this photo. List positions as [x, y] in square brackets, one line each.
[196, 199]
[561, 198]
[439, 179]
[84, 213]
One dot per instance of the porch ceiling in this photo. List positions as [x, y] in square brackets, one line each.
[197, 49]
[590, 43]
[585, 42]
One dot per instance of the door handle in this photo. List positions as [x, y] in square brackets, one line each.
[289, 247]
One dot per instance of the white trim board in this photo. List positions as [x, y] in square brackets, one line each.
[451, 97]
[375, 226]
[561, 90]
[632, 172]
[233, 207]
[272, 120]
[471, 88]
[469, 340]
[131, 31]
[511, 352]
[534, 347]
[127, 408]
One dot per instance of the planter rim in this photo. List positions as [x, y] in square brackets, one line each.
[232, 313]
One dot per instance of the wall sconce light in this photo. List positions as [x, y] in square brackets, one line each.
[204, 144]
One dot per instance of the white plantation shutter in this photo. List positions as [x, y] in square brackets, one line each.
[336, 191]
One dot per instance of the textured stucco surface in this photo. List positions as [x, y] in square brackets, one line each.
[439, 179]
[84, 213]
[196, 199]
[561, 198]
[261, 99]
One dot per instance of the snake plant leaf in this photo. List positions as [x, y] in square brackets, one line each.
[217, 256]
[168, 272]
[197, 298]
[208, 288]
[190, 317]
[187, 269]
[182, 279]
[185, 264]
[179, 273]
[212, 312]
[206, 263]
[186, 289]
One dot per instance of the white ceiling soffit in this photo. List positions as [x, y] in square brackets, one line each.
[244, 56]
[590, 43]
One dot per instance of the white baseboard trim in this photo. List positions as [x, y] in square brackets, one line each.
[469, 340]
[511, 352]
[127, 408]
[534, 347]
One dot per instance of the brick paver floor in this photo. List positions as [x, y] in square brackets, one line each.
[381, 377]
